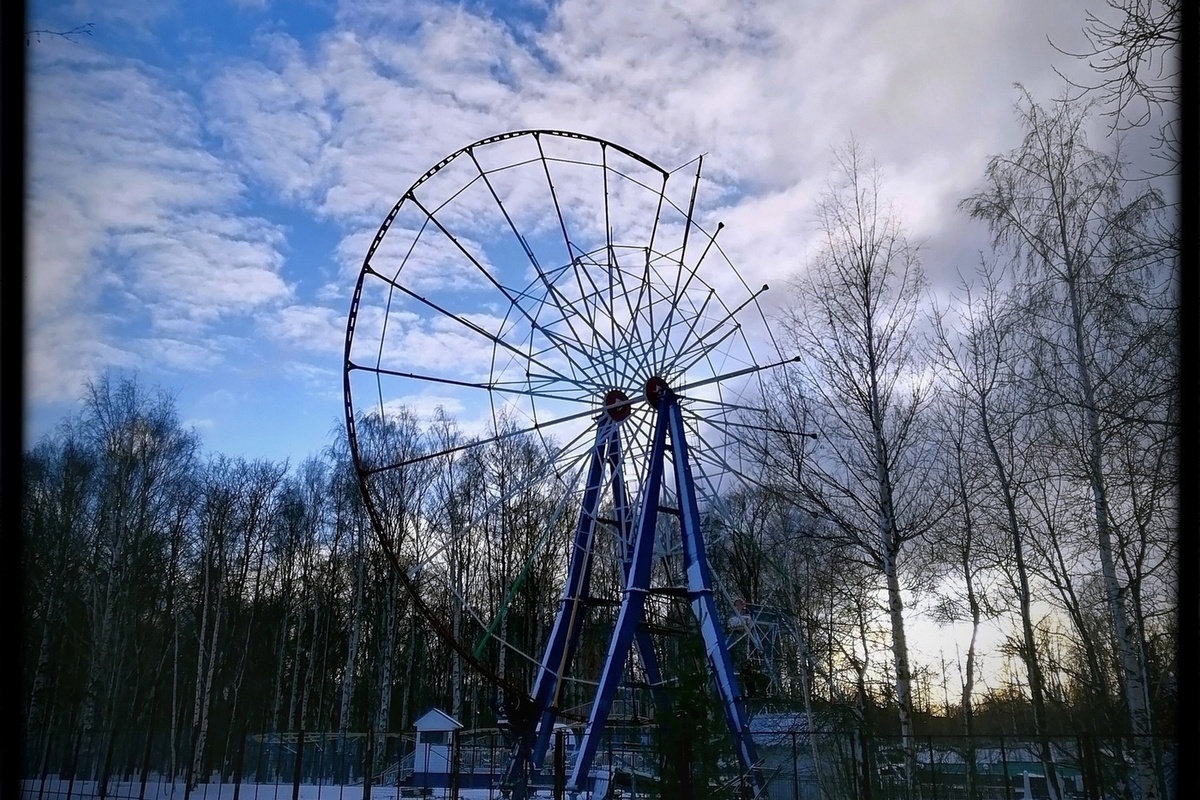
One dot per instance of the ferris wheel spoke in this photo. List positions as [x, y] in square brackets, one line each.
[486, 273]
[663, 299]
[643, 339]
[733, 374]
[725, 406]
[712, 453]
[609, 256]
[553, 466]
[681, 290]
[547, 284]
[577, 464]
[702, 343]
[565, 311]
[687, 220]
[433, 556]
[604, 309]
[581, 465]
[467, 609]
[567, 308]
[537, 426]
[589, 365]
[732, 433]
[695, 322]
[764, 429]
[691, 325]
[516, 389]
[643, 283]
[701, 354]
[562, 222]
[629, 344]
[448, 314]
[616, 276]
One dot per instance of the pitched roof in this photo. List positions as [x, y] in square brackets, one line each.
[437, 720]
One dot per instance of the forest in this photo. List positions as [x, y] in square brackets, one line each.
[1007, 452]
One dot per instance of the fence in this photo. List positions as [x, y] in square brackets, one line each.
[797, 765]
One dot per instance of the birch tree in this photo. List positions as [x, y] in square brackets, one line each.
[350, 519]
[856, 321]
[983, 376]
[1095, 282]
[218, 508]
[145, 457]
[258, 498]
[55, 512]
[1133, 52]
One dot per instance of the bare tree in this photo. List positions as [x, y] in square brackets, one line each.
[145, 459]
[1093, 280]
[856, 322]
[451, 509]
[58, 503]
[1133, 50]
[258, 486]
[984, 376]
[400, 498]
[350, 519]
[70, 34]
[965, 551]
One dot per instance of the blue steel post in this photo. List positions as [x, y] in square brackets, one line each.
[637, 562]
[645, 643]
[630, 614]
[700, 594]
[590, 508]
[564, 636]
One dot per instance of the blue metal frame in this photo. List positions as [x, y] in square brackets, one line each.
[531, 745]
[627, 631]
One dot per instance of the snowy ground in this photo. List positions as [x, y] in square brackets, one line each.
[55, 789]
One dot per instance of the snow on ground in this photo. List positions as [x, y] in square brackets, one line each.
[54, 788]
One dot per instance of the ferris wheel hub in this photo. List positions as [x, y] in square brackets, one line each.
[655, 387]
[617, 405]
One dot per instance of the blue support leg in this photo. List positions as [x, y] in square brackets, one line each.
[699, 578]
[630, 614]
[642, 639]
[534, 736]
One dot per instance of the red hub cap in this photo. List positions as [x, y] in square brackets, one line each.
[654, 390]
[617, 405]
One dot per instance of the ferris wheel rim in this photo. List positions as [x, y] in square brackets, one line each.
[592, 395]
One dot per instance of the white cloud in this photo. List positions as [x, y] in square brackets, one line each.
[199, 423]
[130, 17]
[140, 229]
[129, 215]
[182, 355]
[315, 329]
[274, 119]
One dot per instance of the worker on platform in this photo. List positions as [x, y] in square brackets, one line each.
[739, 621]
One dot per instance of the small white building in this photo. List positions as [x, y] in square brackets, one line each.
[431, 760]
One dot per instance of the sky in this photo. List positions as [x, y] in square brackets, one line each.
[205, 179]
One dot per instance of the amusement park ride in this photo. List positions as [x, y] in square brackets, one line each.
[553, 287]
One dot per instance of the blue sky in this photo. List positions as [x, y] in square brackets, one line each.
[204, 178]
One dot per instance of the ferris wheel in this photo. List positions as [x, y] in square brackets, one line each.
[583, 347]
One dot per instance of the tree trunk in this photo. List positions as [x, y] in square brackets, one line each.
[351, 665]
[1129, 651]
[1029, 653]
[206, 668]
[386, 656]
